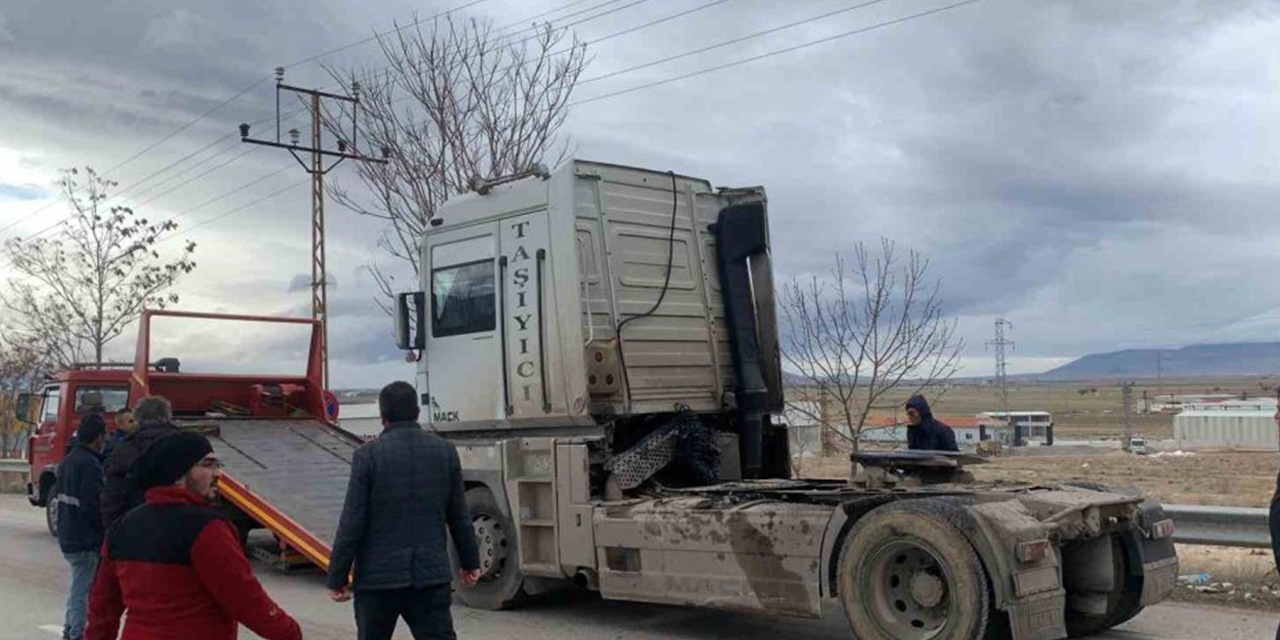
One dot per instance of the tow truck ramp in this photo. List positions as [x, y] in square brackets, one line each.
[290, 475]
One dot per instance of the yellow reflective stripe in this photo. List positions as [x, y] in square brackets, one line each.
[244, 503]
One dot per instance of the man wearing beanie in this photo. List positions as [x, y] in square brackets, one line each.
[174, 565]
[79, 525]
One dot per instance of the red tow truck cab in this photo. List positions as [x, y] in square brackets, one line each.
[286, 464]
[60, 407]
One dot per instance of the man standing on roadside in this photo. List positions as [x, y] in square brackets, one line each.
[173, 567]
[79, 521]
[124, 426]
[925, 432]
[155, 420]
[405, 492]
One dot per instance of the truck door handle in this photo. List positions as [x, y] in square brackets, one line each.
[542, 331]
[502, 333]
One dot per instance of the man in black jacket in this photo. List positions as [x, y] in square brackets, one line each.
[155, 420]
[79, 523]
[405, 491]
[924, 432]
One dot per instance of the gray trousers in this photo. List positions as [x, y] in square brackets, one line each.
[84, 565]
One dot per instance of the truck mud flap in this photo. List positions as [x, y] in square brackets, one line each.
[1038, 617]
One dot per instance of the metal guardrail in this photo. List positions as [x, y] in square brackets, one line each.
[13, 466]
[1220, 526]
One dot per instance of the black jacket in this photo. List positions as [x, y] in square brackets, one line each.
[117, 495]
[930, 434]
[405, 491]
[79, 486]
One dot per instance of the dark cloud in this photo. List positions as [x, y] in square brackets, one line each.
[1100, 172]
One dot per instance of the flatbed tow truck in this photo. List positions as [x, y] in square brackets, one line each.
[287, 464]
[600, 343]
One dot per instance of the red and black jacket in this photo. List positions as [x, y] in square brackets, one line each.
[177, 568]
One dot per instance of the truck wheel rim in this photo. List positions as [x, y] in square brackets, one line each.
[491, 542]
[907, 590]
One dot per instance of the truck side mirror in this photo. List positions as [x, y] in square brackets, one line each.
[411, 321]
[23, 408]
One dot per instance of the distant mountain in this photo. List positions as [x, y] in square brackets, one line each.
[1250, 358]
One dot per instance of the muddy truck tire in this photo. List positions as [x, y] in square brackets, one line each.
[501, 584]
[907, 574]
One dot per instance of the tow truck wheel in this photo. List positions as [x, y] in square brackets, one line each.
[906, 574]
[501, 584]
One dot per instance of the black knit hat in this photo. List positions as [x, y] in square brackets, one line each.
[168, 459]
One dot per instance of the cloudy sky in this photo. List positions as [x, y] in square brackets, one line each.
[1101, 173]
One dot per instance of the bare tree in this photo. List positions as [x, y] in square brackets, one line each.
[457, 101]
[79, 290]
[873, 327]
[22, 363]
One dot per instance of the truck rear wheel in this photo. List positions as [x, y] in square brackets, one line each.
[905, 574]
[501, 584]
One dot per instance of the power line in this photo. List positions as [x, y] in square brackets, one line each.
[309, 59]
[238, 209]
[790, 49]
[726, 43]
[846, 34]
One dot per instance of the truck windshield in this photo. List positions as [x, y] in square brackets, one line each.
[113, 398]
[462, 299]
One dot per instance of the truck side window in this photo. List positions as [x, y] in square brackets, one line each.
[52, 400]
[463, 299]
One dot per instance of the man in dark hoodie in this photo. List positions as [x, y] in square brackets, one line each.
[155, 420]
[79, 523]
[924, 432]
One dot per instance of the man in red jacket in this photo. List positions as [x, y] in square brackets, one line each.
[174, 564]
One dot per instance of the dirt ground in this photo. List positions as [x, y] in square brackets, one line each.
[1236, 479]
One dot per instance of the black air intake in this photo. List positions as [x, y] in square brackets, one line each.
[742, 234]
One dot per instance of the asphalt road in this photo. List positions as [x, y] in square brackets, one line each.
[33, 579]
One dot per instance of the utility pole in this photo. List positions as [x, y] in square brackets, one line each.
[1002, 380]
[317, 169]
[1126, 392]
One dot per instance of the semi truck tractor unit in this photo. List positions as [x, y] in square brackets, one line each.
[601, 344]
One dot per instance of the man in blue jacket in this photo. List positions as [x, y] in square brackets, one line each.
[924, 432]
[405, 498]
[79, 517]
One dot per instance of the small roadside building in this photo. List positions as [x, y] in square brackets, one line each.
[1248, 424]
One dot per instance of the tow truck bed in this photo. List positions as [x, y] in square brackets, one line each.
[288, 474]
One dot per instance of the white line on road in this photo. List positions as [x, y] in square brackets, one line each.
[55, 629]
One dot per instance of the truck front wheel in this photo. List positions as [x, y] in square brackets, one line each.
[501, 584]
[907, 574]
[51, 512]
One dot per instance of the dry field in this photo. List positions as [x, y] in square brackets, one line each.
[1090, 409]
